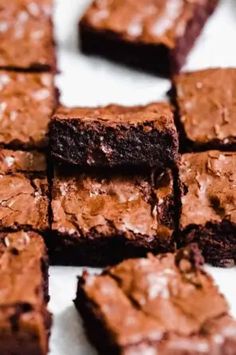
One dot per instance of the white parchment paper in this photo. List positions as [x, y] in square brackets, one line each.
[94, 81]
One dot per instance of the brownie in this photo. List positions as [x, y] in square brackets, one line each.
[24, 195]
[152, 35]
[24, 319]
[26, 35]
[164, 304]
[23, 202]
[101, 218]
[208, 212]
[206, 108]
[27, 101]
[21, 161]
[115, 136]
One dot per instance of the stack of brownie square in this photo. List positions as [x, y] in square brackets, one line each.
[27, 100]
[113, 189]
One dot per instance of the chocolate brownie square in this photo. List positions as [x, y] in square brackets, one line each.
[24, 319]
[206, 108]
[26, 35]
[159, 305]
[24, 200]
[115, 136]
[154, 35]
[27, 101]
[208, 214]
[21, 161]
[101, 218]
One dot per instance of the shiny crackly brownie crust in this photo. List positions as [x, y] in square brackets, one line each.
[206, 109]
[115, 136]
[101, 218]
[171, 306]
[154, 35]
[24, 202]
[27, 101]
[26, 35]
[12, 161]
[208, 211]
[24, 191]
[24, 319]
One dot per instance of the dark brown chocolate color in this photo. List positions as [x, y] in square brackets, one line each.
[115, 136]
[208, 214]
[206, 102]
[26, 35]
[27, 101]
[24, 319]
[159, 305]
[152, 34]
[101, 218]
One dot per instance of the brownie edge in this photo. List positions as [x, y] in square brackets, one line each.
[114, 136]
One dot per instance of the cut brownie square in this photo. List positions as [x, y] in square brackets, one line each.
[115, 135]
[154, 35]
[24, 192]
[23, 202]
[206, 102]
[208, 216]
[26, 35]
[21, 161]
[159, 305]
[24, 319]
[27, 101]
[102, 218]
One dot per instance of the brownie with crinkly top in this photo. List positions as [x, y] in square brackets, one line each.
[155, 35]
[159, 305]
[101, 218]
[206, 109]
[24, 319]
[27, 101]
[208, 204]
[26, 35]
[24, 191]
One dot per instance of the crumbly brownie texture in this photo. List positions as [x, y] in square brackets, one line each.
[23, 202]
[115, 135]
[26, 35]
[21, 161]
[102, 218]
[206, 102]
[208, 214]
[27, 102]
[24, 319]
[158, 305]
[154, 35]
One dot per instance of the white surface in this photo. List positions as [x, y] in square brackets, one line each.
[92, 81]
